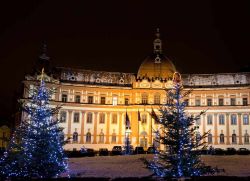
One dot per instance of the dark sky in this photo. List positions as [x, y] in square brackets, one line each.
[199, 36]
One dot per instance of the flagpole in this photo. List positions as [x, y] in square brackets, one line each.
[138, 143]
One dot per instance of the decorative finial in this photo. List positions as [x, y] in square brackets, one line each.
[42, 75]
[157, 42]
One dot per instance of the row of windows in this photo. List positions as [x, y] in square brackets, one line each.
[233, 118]
[88, 137]
[222, 138]
[76, 117]
[220, 102]
[90, 99]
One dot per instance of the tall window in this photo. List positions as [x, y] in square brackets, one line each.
[75, 137]
[115, 101]
[157, 98]
[144, 119]
[198, 121]
[245, 119]
[76, 117]
[77, 98]
[209, 119]
[244, 102]
[114, 118]
[103, 100]
[89, 117]
[197, 102]
[101, 118]
[233, 101]
[101, 137]
[209, 102]
[63, 116]
[209, 138]
[234, 139]
[221, 138]
[221, 119]
[186, 102]
[144, 98]
[233, 119]
[90, 99]
[221, 101]
[113, 138]
[126, 101]
[246, 138]
[88, 137]
[64, 97]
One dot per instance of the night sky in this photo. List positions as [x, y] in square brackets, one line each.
[198, 36]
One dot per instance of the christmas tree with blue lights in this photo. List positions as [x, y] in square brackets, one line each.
[181, 139]
[36, 147]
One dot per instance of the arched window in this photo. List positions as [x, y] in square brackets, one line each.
[246, 138]
[88, 137]
[89, 117]
[113, 139]
[210, 138]
[209, 119]
[157, 98]
[101, 137]
[144, 98]
[245, 119]
[75, 137]
[234, 139]
[233, 119]
[221, 119]
[221, 138]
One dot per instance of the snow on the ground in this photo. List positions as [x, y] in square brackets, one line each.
[132, 166]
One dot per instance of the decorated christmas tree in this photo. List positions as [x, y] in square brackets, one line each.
[35, 150]
[180, 138]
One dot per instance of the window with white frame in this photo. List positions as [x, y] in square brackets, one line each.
[221, 119]
[233, 119]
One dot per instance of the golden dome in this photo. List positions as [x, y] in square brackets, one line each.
[156, 65]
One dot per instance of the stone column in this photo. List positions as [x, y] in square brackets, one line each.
[95, 127]
[82, 128]
[150, 132]
[215, 129]
[240, 129]
[69, 123]
[120, 128]
[107, 128]
[227, 129]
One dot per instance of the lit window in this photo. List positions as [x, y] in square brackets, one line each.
[221, 119]
[233, 119]
[209, 119]
[115, 101]
[76, 117]
[144, 98]
[101, 118]
[157, 98]
[78, 99]
[245, 119]
[63, 116]
[64, 97]
[89, 117]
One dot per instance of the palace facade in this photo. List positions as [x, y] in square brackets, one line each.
[95, 103]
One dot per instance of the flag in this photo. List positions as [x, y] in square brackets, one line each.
[127, 121]
[139, 116]
[154, 116]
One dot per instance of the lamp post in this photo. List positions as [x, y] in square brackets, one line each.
[127, 141]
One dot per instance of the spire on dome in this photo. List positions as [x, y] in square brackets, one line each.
[157, 42]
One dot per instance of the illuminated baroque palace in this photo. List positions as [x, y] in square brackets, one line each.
[95, 103]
